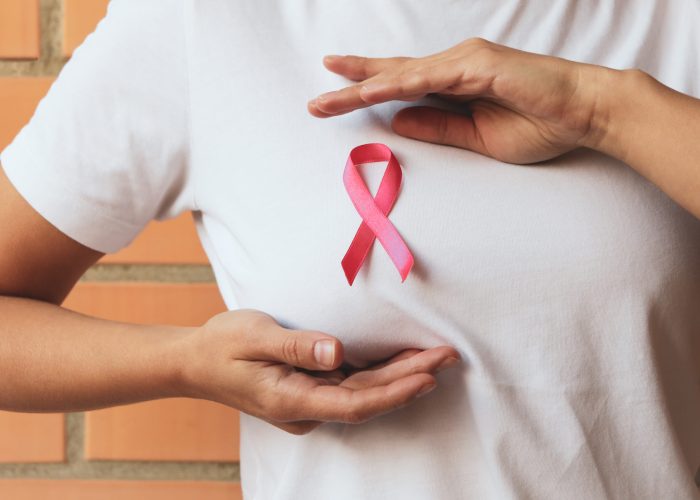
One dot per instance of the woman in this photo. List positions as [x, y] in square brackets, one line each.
[567, 288]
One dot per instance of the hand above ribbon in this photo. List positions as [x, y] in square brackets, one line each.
[522, 107]
[519, 107]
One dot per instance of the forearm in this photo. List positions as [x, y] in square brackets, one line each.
[652, 128]
[53, 359]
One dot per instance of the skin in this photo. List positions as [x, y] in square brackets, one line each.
[521, 107]
[56, 360]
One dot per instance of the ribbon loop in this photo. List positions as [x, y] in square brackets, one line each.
[374, 211]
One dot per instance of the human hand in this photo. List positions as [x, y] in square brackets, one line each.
[520, 107]
[246, 360]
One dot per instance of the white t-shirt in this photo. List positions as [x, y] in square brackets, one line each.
[570, 288]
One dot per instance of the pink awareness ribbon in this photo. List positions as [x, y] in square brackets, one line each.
[374, 211]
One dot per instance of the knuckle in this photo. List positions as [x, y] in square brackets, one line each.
[357, 63]
[479, 50]
[413, 79]
[476, 43]
[253, 321]
[291, 350]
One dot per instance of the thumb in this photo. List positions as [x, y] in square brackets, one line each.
[307, 349]
[438, 126]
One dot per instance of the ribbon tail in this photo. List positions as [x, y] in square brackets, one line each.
[397, 249]
[357, 252]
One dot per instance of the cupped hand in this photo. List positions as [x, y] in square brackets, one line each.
[519, 107]
[295, 379]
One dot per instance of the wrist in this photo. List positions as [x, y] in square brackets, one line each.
[172, 358]
[616, 95]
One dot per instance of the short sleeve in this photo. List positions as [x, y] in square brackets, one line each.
[107, 149]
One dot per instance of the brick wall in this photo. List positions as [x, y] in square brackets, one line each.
[171, 449]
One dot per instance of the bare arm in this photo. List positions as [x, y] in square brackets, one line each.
[655, 130]
[52, 359]
[522, 107]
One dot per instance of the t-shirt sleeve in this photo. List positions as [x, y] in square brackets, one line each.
[107, 148]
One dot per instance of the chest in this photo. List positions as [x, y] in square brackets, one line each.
[490, 240]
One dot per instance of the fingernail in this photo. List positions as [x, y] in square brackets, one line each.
[324, 353]
[324, 97]
[425, 389]
[331, 57]
[451, 361]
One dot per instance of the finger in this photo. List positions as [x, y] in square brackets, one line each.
[299, 428]
[412, 97]
[361, 68]
[429, 361]
[266, 340]
[412, 84]
[438, 76]
[339, 404]
[412, 352]
[312, 108]
[339, 102]
[351, 369]
[332, 377]
[405, 354]
[440, 127]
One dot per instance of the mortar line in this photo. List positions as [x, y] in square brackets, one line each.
[50, 63]
[127, 470]
[164, 273]
[75, 436]
[51, 58]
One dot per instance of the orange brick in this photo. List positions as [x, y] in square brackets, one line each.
[32, 437]
[173, 429]
[80, 19]
[45, 489]
[19, 29]
[168, 430]
[18, 99]
[173, 241]
[149, 303]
